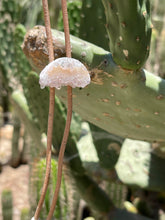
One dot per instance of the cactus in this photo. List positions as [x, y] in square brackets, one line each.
[22, 64]
[27, 144]
[66, 206]
[15, 158]
[79, 175]
[74, 10]
[81, 179]
[92, 28]
[129, 33]
[139, 160]
[30, 12]
[9, 13]
[155, 63]
[24, 214]
[114, 94]
[118, 193]
[54, 11]
[115, 101]
[36, 95]
[12, 60]
[107, 146]
[7, 206]
[72, 158]
[20, 105]
[161, 52]
[37, 176]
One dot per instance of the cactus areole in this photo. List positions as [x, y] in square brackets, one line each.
[64, 71]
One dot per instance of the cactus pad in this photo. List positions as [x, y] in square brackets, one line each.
[116, 99]
[129, 30]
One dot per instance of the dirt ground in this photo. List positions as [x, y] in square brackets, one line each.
[17, 180]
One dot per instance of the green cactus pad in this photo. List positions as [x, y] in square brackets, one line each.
[107, 146]
[129, 30]
[138, 166]
[125, 103]
[92, 25]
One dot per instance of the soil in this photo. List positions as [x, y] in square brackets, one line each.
[15, 179]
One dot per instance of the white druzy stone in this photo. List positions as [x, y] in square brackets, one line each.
[64, 72]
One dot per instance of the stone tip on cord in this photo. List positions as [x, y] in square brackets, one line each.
[33, 218]
[64, 72]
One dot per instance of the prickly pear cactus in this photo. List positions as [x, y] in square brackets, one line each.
[74, 10]
[114, 95]
[83, 182]
[107, 146]
[129, 27]
[7, 205]
[92, 25]
[139, 161]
